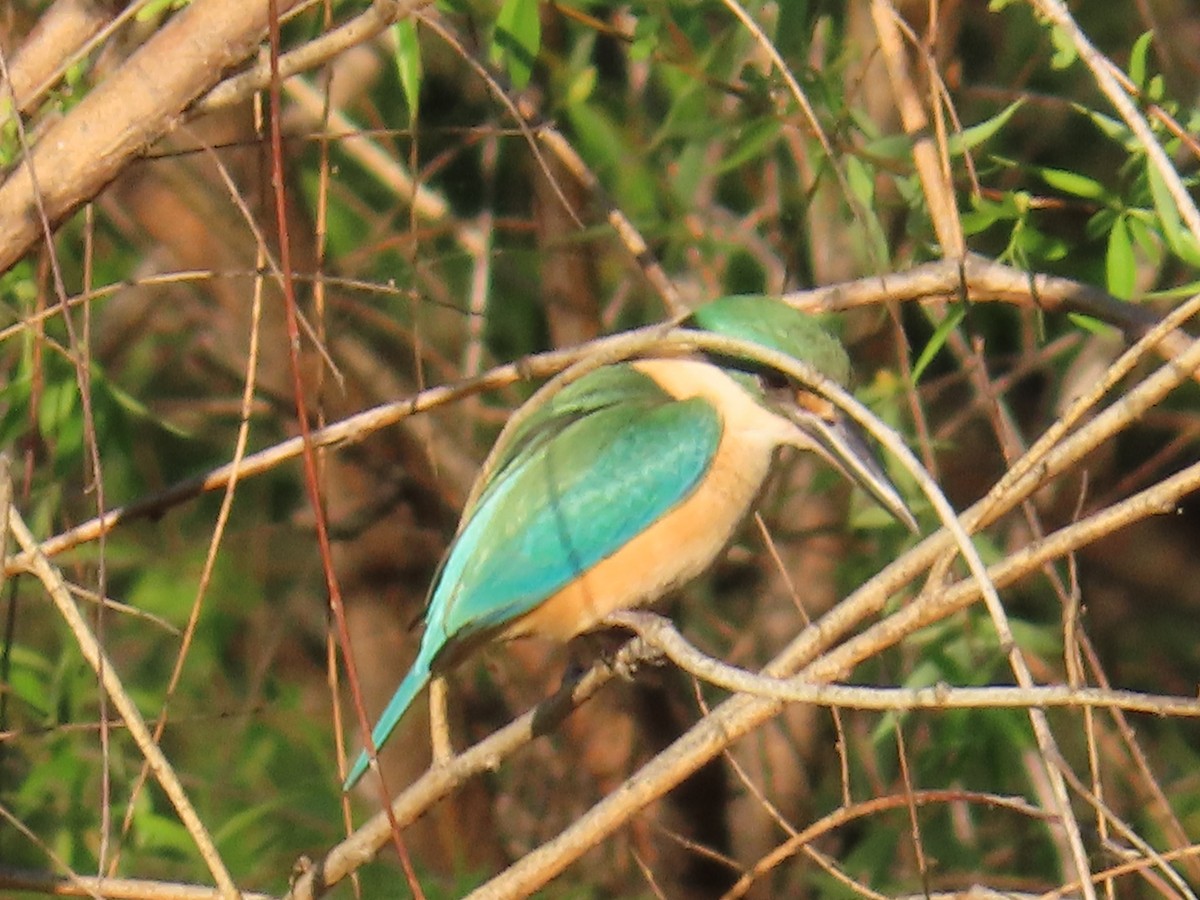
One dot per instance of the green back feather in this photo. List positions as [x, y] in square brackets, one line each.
[774, 324]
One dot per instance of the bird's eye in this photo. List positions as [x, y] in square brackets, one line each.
[772, 380]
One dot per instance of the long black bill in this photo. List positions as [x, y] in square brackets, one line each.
[844, 445]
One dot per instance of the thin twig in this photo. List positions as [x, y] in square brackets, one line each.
[107, 887]
[320, 50]
[660, 633]
[929, 159]
[94, 654]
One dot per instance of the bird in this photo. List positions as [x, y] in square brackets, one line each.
[629, 482]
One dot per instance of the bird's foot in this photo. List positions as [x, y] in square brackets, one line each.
[606, 646]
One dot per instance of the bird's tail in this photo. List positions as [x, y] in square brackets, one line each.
[417, 678]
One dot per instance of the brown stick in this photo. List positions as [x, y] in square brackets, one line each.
[124, 114]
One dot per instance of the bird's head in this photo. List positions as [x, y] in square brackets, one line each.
[816, 423]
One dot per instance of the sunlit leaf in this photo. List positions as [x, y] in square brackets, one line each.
[940, 336]
[1120, 267]
[970, 138]
[753, 141]
[517, 39]
[1137, 58]
[1065, 52]
[1179, 238]
[408, 63]
[1073, 183]
[1093, 325]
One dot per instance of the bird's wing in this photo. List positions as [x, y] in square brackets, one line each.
[617, 456]
[605, 387]
[602, 460]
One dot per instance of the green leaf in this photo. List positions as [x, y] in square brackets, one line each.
[159, 832]
[890, 147]
[970, 138]
[56, 408]
[1137, 59]
[793, 28]
[645, 38]
[1112, 128]
[1156, 89]
[1093, 325]
[1065, 53]
[1174, 293]
[1146, 239]
[1120, 267]
[1033, 246]
[940, 336]
[1073, 183]
[156, 9]
[408, 63]
[580, 87]
[517, 39]
[1181, 241]
[751, 143]
[861, 179]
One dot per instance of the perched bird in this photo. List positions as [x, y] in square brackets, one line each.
[627, 483]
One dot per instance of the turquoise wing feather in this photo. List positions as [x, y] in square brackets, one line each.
[604, 459]
[575, 500]
[599, 390]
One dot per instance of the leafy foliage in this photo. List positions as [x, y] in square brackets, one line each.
[433, 236]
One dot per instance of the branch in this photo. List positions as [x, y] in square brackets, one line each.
[442, 780]
[661, 634]
[978, 279]
[124, 114]
[60, 31]
[742, 714]
[849, 814]
[109, 888]
[931, 162]
[362, 28]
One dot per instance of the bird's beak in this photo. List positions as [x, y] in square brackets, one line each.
[844, 446]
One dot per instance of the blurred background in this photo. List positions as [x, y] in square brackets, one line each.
[432, 236]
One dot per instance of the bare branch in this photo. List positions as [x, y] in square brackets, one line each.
[109, 888]
[123, 115]
[660, 633]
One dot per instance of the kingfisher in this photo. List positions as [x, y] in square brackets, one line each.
[628, 483]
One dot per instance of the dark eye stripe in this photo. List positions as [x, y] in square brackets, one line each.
[770, 378]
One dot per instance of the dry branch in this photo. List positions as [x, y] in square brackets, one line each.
[977, 278]
[60, 31]
[109, 888]
[659, 633]
[363, 27]
[122, 116]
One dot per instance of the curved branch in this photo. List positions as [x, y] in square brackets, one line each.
[660, 633]
[979, 279]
